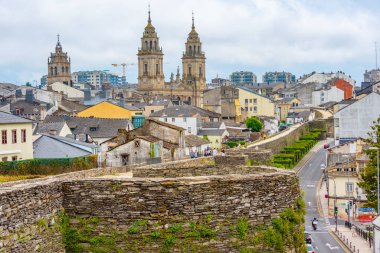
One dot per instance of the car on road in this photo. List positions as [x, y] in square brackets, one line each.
[326, 146]
[310, 248]
[307, 238]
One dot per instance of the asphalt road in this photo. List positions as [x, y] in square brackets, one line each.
[309, 176]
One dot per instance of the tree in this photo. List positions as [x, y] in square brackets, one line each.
[254, 124]
[369, 175]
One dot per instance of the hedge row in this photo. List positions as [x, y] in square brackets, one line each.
[290, 155]
[48, 166]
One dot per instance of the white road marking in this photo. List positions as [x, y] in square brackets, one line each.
[331, 247]
[310, 186]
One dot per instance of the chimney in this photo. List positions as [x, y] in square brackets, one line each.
[29, 96]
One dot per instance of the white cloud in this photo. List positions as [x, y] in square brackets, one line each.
[258, 35]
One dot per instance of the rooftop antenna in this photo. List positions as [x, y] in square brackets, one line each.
[376, 52]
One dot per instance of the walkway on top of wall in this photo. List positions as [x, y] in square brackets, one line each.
[277, 136]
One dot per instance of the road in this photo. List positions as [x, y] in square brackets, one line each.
[309, 176]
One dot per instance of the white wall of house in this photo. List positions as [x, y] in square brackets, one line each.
[323, 96]
[191, 124]
[355, 120]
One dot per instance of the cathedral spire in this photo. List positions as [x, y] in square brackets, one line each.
[149, 20]
[193, 26]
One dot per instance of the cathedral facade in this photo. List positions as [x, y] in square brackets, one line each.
[151, 80]
[59, 69]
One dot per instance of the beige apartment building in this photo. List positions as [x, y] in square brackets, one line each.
[16, 138]
[254, 104]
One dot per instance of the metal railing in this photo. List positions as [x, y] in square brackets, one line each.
[365, 234]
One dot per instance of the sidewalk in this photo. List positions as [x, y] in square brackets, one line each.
[353, 241]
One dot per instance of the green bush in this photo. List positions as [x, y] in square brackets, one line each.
[48, 166]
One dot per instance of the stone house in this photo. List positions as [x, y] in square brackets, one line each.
[53, 128]
[196, 144]
[154, 141]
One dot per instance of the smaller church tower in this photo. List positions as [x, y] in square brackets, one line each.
[150, 61]
[59, 66]
[194, 66]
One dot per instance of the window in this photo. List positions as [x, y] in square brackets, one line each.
[246, 108]
[246, 101]
[166, 119]
[23, 135]
[255, 108]
[173, 119]
[151, 111]
[145, 68]
[14, 158]
[336, 122]
[250, 100]
[157, 69]
[4, 137]
[349, 187]
[184, 119]
[92, 129]
[14, 136]
[255, 100]
[189, 130]
[4, 159]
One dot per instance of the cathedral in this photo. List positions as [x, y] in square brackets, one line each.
[151, 80]
[59, 66]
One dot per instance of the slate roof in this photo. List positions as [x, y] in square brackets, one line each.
[194, 141]
[303, 114]
[95, 127]
[212, 132]
[6, 118]
[52, 147]
[254, 92]
[184, 111]
[48, 127]
[285, 101]
[166, 124]
[212, 124]
[29, 107]
[71, 106]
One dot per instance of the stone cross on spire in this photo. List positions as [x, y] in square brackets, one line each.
[149, 20]
[58, 37]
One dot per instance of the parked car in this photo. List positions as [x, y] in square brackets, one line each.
[307, 238]
[326, 146]
[310, 248]
[281, 128]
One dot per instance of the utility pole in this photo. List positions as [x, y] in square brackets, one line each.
[376, 53]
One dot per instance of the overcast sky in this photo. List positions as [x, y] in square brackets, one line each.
[254, 35]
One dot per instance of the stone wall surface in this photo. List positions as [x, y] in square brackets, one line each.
[259, 156]
[278, 144]
[260, 197]
[21, 211]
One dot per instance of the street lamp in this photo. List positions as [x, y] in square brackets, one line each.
[335, 207]
[377, 180]
[348, 185]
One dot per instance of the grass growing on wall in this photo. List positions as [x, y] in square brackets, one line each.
[285, 233]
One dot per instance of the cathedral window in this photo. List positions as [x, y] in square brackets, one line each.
[200, 70]
[189, 70]
[146, 44]
[199, 49]
[67, 69]
[63, 69]
[55, 70]
[157, 69]
[145, 68]
[155, 45]
[150, 45]
[51, 71]
[190, 49]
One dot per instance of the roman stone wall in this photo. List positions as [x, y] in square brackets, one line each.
[278, 144]
[25, 216]
[120, 203]
[262, 157]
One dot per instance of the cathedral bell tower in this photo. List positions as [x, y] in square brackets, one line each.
[150, 61]
[194, 66]
[59, 66]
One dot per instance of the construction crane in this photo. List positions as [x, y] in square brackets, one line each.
[124, 65]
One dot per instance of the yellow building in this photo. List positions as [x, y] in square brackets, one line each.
[215, 136]
[107, 110]
[16, 138]
[283, 107]
[254, 104]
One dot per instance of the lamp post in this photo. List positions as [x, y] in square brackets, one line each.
[377, 179]
[335, 207]
[347, 188]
